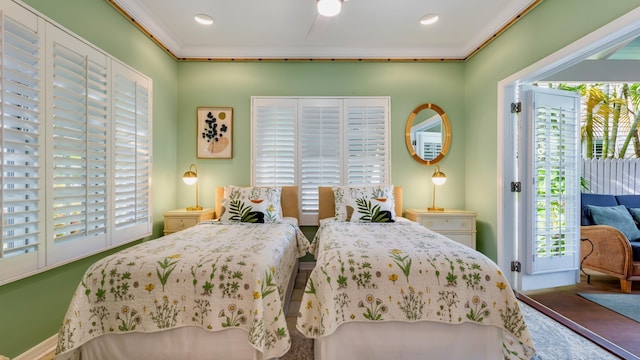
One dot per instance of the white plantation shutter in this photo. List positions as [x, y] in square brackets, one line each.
[76, 150]
[22, 242]
[555, 153]
[367, 142]
[312, 142]
[78, 156]
[273, 137]
[320, 144]
[132, 154]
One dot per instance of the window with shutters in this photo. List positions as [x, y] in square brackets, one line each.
[319, 141]
[77, 183]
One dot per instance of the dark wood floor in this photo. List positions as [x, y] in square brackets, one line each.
[616, 331]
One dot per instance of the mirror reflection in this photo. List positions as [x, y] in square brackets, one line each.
[428, 134]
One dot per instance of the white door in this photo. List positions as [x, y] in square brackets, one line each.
[548, 206]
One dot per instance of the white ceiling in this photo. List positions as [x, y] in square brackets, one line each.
[288, 29]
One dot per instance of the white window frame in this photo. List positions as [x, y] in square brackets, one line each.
[367, 119]
[61, 179]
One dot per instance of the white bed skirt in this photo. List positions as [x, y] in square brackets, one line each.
[419, 340]
[191, 343]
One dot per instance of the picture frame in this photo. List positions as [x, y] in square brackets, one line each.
[215, 133]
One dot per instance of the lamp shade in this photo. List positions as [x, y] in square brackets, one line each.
[438, 176]
[329, 7]
[190, 177]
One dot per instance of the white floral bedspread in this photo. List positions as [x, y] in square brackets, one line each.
[404, 272]
[213, 275]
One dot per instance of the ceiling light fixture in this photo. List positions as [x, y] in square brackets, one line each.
[329, 7]
[429, 19]
[203, 19]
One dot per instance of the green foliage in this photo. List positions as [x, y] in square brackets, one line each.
[268, 286]
[241, 212]
[403, 262]
[611, 114]
[371, 213]
[164, 270]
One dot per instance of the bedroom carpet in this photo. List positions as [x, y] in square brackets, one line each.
[553, 341]
[624, 304]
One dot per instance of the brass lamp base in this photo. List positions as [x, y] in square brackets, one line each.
[194, 208]
[435, 209]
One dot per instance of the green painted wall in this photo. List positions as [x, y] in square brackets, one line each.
[32, 309]
[549, 27]
[408, 84]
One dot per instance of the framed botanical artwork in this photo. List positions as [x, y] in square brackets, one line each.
[215, 125]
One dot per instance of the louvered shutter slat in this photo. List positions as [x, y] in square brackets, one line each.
[79, 145]
[21, 128]
[131, 153]
[274, 137]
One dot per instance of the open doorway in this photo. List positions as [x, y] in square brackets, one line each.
[621, 31]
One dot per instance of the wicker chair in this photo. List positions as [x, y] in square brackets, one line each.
[606, 249]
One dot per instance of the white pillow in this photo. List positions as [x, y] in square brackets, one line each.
[364, 203]
[251, 204]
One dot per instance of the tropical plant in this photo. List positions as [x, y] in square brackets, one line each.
[610, 111]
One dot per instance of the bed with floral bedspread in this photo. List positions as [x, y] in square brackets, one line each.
[214, 275]
[401, 271]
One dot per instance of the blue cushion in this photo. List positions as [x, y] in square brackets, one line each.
[630, 201]
[597, 200]
[635, 213]
[616, 216]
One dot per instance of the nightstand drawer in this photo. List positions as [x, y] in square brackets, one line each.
[457, 225]
[436, 223]
[176, 220]
[177, 224]
[465, 239]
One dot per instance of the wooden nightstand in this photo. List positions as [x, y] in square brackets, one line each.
[176, 220]
[457, 225]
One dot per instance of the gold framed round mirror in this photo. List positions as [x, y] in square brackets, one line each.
[428, 134]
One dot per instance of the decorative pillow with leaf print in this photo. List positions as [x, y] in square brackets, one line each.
[364, 203]
[251, 204]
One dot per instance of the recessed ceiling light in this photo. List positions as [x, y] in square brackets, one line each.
[429, 19]
[329, 7]
[203, 19]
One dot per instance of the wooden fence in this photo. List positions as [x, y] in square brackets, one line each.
[612, 176]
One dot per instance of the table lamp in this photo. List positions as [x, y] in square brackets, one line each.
[191, 177]
[438, 178]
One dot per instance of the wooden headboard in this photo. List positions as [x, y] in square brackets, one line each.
[288, 200]
[327, 206]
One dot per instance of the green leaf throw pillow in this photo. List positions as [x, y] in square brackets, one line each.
[374, 203]
[251, 204]
[616, 216]
[372, 210]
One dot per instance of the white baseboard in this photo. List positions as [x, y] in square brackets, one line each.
[37, 352]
